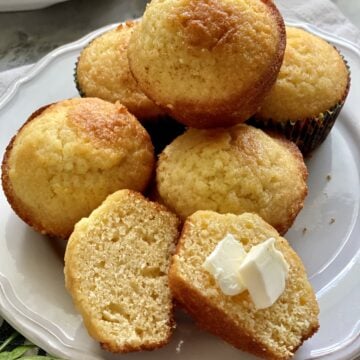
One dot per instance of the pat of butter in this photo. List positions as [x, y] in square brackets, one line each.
[224, 262]
[264, 272]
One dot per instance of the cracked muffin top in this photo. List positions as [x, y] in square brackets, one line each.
[210, 62]
[234, 170]
[68, 157]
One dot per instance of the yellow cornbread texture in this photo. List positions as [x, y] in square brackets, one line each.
[272, 333]
[313, 78]
[208, 63]
[68, 157]
[103, 71]
[236, 170]
[116, 269]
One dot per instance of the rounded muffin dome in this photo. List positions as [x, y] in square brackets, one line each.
[103, 71]
[312, 79]
[208, 62]
[68, 157]
[234, 170]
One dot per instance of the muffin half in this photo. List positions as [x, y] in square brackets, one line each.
[309, 93]
[233, 170]
[116, 266]
[68, 157]
[271, 333]
[208, 63]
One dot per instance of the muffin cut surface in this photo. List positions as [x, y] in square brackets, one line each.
[116, 266]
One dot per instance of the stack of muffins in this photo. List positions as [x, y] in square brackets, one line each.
[226, 95]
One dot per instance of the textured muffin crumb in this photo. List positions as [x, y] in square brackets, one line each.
[272, 333]
[236, 170]
[116, 266]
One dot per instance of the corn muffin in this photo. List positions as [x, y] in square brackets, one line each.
[233, 170]
[123, 295]
[103, 71]
[208, 63]
[272, 333]
[309, 92]
[68, 157]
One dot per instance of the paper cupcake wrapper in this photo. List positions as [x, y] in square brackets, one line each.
[307, 134]
[163, 131]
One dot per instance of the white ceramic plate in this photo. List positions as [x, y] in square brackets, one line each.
[21, 5]
[32, 294]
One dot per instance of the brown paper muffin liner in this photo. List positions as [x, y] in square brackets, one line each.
[308, 133]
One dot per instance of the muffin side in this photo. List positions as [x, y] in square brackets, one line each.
[102, 71]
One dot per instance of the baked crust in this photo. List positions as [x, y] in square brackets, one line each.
[233, 170]
[102, 71]
[87, 121]
[228, 108]
[12, 199]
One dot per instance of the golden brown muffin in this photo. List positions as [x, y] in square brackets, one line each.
[68, 157]
[233, 170]
[103, 71]
[272, 333]
[208, 63]
[123, 295]
[309, 92]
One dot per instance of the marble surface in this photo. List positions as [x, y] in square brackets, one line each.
[25, 37]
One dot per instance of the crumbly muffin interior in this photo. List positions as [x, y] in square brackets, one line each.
[281, 328]
[116, 267]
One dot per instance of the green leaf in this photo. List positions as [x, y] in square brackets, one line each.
[15, 353]
[39, 357]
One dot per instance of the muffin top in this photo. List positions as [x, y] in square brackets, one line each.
[103, 71]
[208, 63]
[68, 157]
[234, 170]
[313, 78]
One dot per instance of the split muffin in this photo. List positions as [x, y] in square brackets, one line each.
[208, 63]
[309, 92]
[274, 332]
[103, 71]
[233, 170]
[123, 296]
[68, 157]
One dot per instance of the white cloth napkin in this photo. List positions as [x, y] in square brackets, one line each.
[322, 13]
